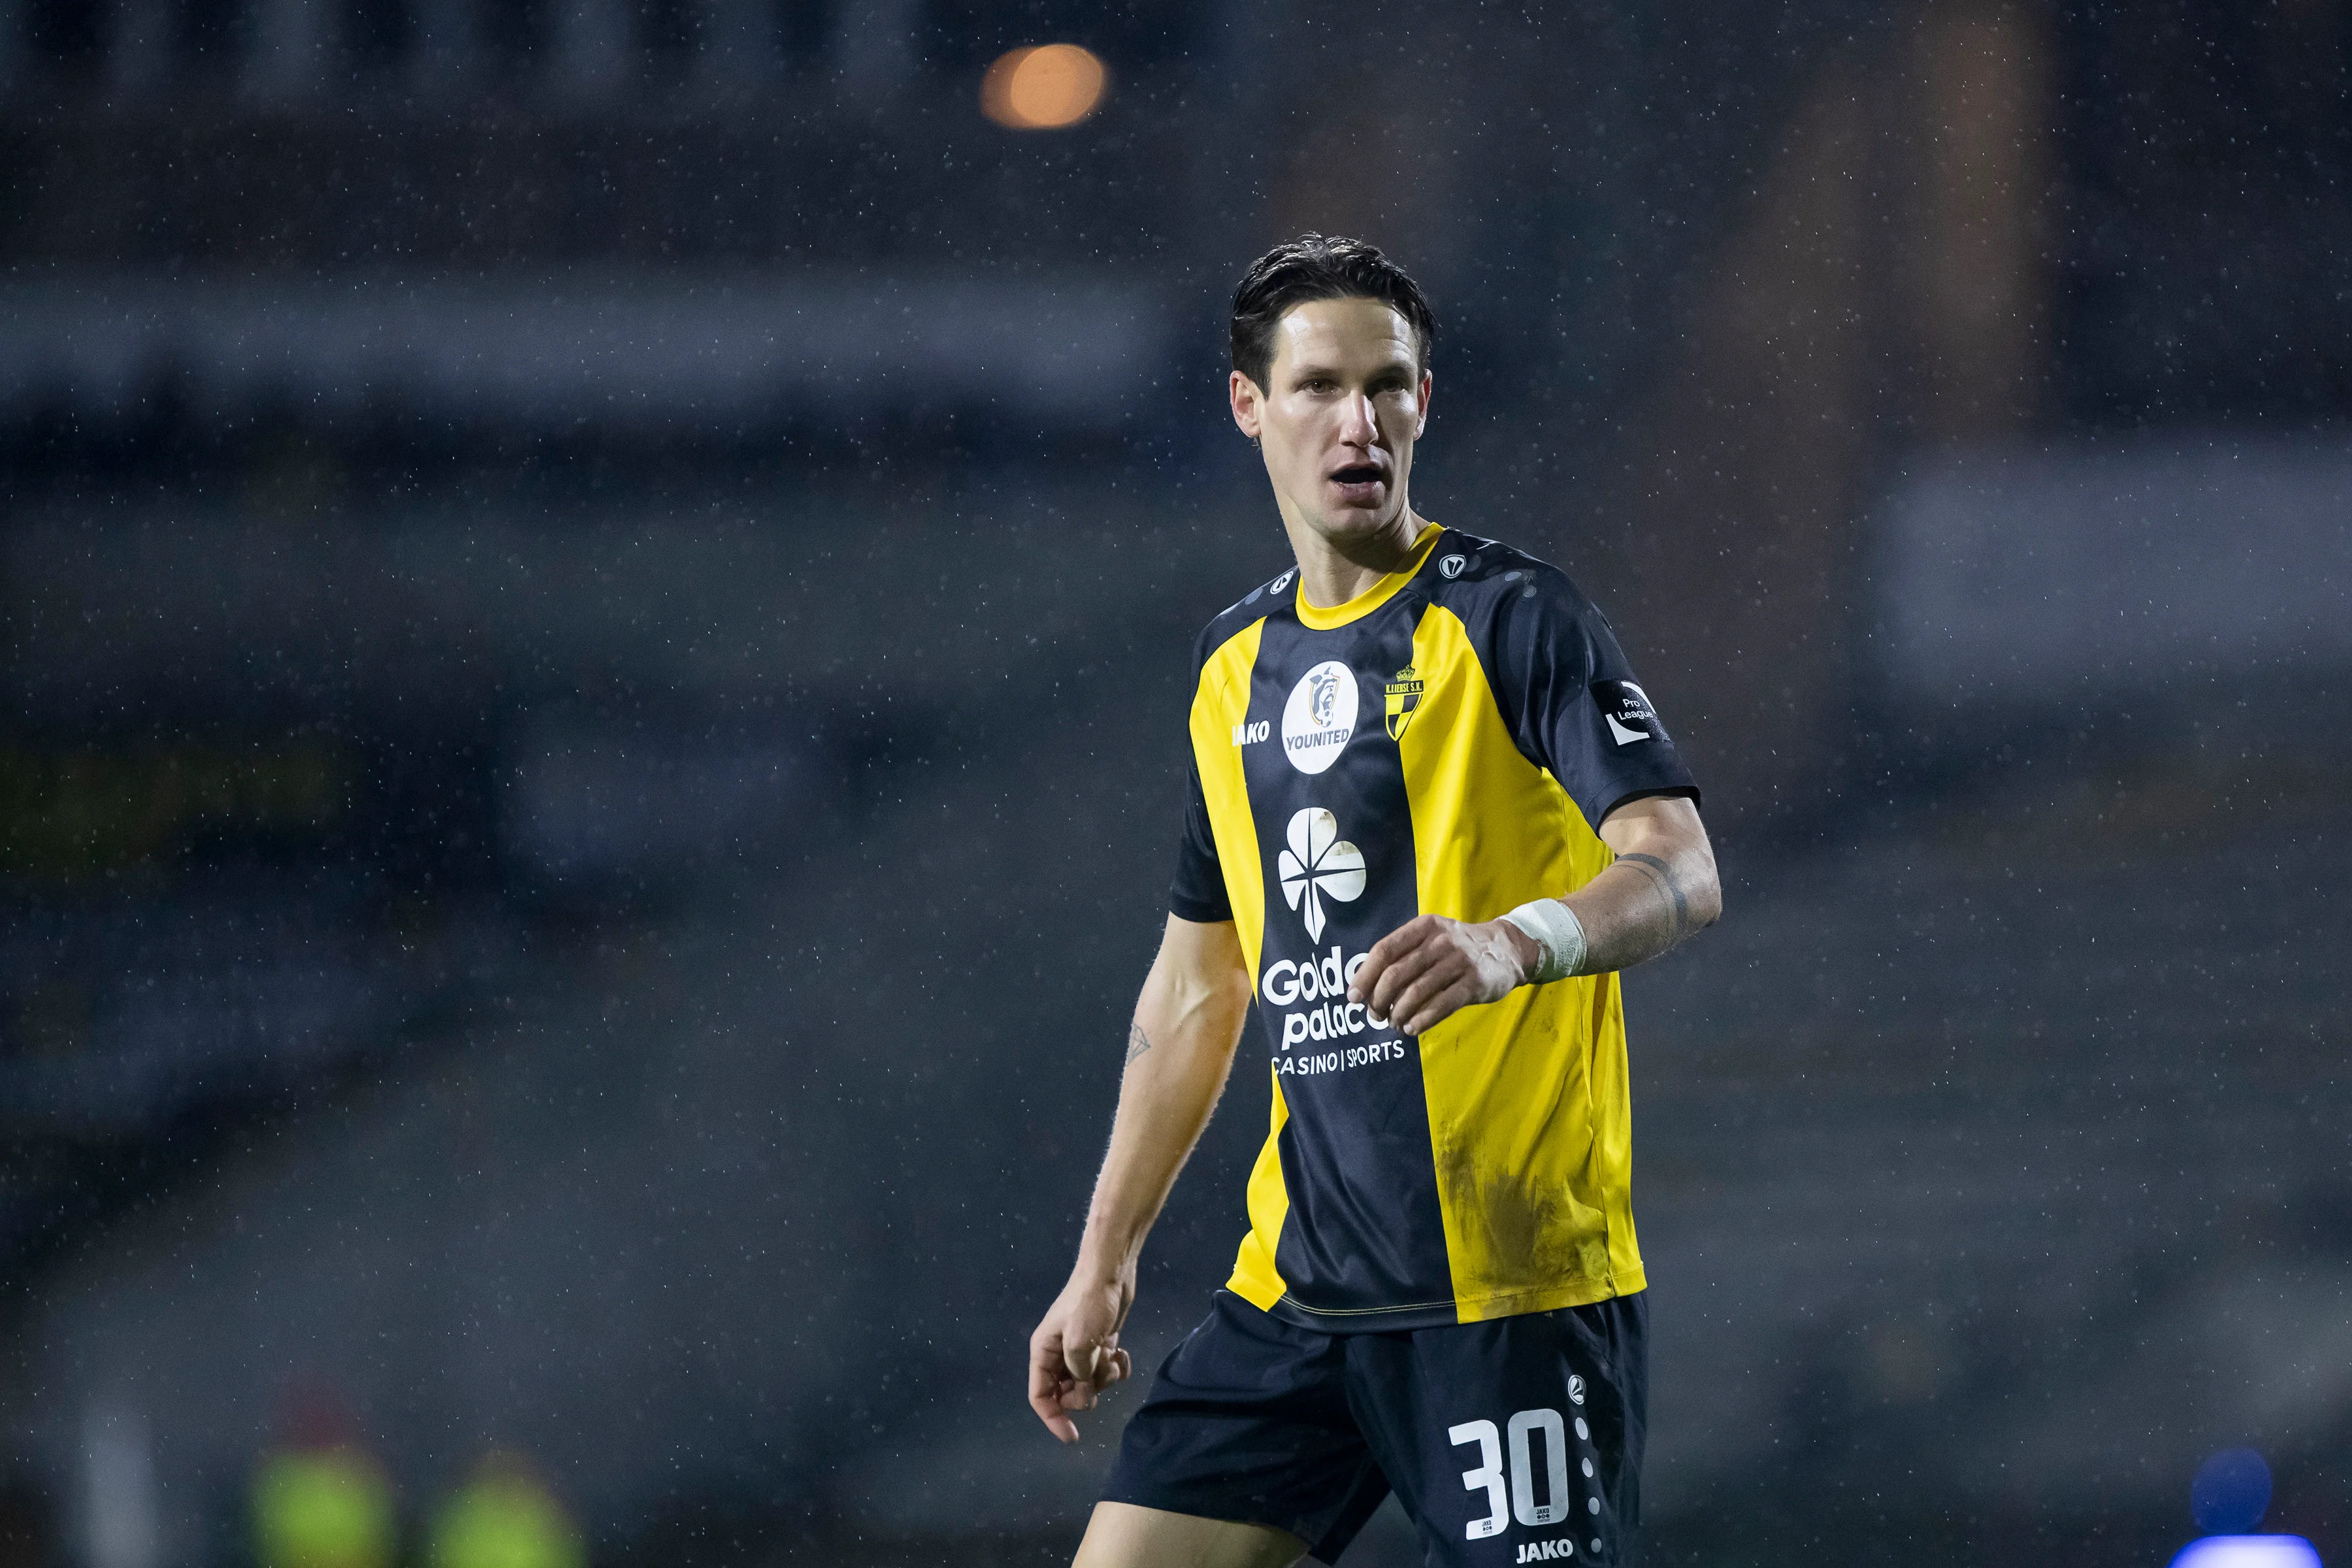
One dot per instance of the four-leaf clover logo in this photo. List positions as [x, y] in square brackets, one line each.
[1319, 865]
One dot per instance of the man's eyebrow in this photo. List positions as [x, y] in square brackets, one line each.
[1401, 369]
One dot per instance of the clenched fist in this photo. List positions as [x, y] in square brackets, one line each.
[1431, 967]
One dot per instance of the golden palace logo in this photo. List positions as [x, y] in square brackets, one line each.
[1404, 696]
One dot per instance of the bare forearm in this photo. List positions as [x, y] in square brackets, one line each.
[1180, 1048]
[1662, 887]
[1650, 899]
[1164, 1102]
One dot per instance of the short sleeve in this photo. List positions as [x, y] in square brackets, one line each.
[1198, 892]
[1573, 700]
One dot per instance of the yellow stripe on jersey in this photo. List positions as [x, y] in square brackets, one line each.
[1220, 703]
[1529, 1116]
[1255, 1278]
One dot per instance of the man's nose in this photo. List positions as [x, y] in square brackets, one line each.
[1358, 425]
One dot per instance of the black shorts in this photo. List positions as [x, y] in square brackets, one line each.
[1517, 1440]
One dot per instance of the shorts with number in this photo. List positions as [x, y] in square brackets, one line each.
[1514, 1440]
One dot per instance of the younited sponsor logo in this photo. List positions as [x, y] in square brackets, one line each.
[1320, 717]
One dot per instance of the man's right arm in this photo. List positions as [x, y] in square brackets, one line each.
[1180, 1047]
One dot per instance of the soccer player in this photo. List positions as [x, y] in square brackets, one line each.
[1431, 817]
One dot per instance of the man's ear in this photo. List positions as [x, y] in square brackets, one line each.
[1422, 423]
[1249, 403]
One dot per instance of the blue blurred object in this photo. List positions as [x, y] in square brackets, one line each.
[2228, 1497]
[2230, 1493]
[2248, 1551]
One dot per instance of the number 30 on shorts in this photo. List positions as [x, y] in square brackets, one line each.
[1519, 1502]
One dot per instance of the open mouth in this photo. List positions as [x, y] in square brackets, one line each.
[1358, 474]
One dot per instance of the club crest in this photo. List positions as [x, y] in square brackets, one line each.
[1404, 697]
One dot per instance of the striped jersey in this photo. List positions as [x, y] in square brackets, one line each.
[1446, 743]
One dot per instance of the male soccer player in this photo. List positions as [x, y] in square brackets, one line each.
[1431, 817]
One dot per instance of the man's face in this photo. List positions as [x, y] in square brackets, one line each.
[1344, 404]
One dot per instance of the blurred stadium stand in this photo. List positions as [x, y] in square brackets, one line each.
[554, 353]
[597, 595]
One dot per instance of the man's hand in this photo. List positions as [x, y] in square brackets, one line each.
[1431, 967]
[1074, 1355]
[1187, 1023]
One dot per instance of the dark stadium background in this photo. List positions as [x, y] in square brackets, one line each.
[597, 595]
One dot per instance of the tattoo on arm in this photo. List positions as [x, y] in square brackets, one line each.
[1137, 1042]
[1661, 874]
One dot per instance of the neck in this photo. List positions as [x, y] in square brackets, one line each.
[1332, 572]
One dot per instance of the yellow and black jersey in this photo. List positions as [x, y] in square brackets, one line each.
[1444, 743]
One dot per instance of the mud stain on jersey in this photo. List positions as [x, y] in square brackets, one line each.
[1516, 1236]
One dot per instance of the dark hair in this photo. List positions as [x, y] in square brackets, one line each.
[1319, 267]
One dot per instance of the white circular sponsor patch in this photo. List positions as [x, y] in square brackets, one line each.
[1319, 717]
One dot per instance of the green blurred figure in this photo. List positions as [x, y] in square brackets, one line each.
[321, 1500]
[504, 1518]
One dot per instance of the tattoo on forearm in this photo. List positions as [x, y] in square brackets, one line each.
[1659, 872]
[1137, 1042]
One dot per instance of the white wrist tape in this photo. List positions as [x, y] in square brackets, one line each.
[1553, 927]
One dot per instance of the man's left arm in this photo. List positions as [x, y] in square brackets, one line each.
[1661, 888]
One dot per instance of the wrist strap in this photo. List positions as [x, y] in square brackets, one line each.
[1553, 927]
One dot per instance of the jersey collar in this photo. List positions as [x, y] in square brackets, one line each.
[1322, 620]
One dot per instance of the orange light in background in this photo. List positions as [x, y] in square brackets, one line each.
[1040, 89]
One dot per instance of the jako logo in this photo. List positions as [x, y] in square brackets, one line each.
[1545, 1550]
[1320, 717]
[1252, 733]
[1319, 865]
